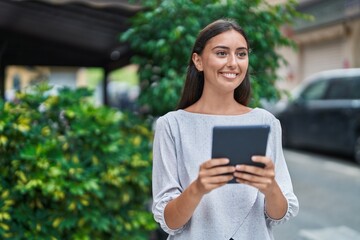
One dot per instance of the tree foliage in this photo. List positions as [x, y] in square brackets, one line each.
[71, 170]
[162, 37]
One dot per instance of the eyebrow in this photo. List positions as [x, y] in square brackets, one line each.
[227, 48]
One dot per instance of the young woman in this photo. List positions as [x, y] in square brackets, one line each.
[192, 199]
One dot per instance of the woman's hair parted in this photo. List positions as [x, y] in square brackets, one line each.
[194, 82]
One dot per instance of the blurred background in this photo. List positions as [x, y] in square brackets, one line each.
[306, 71]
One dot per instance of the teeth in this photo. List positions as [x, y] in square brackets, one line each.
[230, 75]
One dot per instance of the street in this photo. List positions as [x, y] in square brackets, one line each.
[328, 189]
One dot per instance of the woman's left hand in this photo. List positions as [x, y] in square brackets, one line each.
[260, 178]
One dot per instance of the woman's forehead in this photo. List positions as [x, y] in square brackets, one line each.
[231, 38]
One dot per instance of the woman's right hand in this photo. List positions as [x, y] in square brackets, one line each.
[214, 173]
[179, 210]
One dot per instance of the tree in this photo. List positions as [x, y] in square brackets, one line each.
[163, 34]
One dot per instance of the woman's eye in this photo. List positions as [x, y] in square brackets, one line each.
[242, 54]
[221, 54]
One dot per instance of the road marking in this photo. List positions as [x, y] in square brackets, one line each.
[338, 233]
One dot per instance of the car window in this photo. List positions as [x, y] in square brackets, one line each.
[356, 88]
[314, 91]
[344, 88]
[339, 89]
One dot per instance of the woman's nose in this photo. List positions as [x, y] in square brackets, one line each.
[231, 61]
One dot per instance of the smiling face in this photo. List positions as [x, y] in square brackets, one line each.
[224, 61]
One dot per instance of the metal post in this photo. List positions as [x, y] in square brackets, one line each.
[2, 69]
[105, 84]
[2, 81]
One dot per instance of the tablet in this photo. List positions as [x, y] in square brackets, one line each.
[240, 143]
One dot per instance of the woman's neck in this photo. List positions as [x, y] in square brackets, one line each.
[219, 105]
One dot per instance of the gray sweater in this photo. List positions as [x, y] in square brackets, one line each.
[182, 142]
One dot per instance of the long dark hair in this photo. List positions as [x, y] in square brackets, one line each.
[194, 82]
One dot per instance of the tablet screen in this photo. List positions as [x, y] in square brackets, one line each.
[240, 143]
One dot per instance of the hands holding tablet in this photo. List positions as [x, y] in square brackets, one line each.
[260, 178]
[216, 172]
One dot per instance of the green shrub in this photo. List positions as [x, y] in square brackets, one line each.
[72, 170]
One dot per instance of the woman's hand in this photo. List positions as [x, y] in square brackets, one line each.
[260, 178]
[214, 173]
[179, 210]
[264, 180]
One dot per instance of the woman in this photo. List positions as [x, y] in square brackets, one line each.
[192, 199]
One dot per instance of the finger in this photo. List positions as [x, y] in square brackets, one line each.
[221, 179]
[262, 159]
[267, 172]
[218, 171]
[250, 169]
[215, 162]
[252, 178]
[211, 183]
[221, 170]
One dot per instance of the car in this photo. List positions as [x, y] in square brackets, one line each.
[325, 114]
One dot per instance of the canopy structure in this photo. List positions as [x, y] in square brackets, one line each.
[79, 33]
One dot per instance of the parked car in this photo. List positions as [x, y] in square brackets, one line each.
[325, 114]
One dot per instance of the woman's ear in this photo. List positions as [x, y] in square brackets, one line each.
[197, 62]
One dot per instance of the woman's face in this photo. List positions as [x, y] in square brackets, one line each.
[224, 61]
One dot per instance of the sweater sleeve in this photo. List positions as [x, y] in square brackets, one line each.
[282, 175]
[165, 183]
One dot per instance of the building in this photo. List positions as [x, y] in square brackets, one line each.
[331, 40]
[52, 39]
